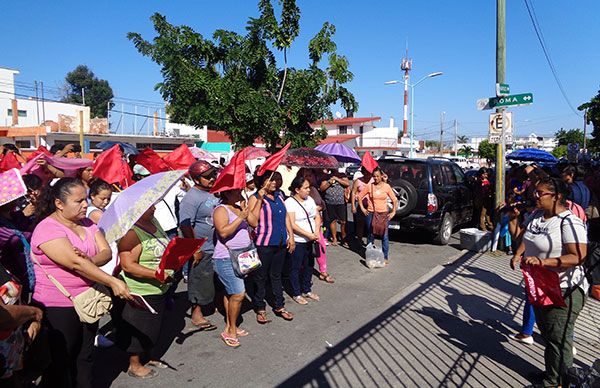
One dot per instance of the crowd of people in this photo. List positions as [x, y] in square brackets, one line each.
[55, 261]
[549, 218]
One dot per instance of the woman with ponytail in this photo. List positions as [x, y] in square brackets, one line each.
[69, 247]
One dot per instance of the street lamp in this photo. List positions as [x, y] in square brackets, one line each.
[412, 96]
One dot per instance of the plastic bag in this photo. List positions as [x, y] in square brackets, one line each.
[374, 256]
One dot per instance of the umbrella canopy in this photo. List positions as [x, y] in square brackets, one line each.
[339, 151]
[133, 202]
[199, 153]
[532, 155]
[255, 153]
[309, 158]
[128, 148]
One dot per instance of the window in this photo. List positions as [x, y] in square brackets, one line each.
[460, 176]
[22, 144]
[343, 129]
[20, 113]
[448, 174]
[361, 130]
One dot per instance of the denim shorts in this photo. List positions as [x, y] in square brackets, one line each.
[224, 270]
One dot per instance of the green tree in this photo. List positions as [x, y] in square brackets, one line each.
[570, 136]
[98, 93]
[592, 109]
[465, 151]
[232, 82]
[462, 139]
[487, 151]
[560, 151]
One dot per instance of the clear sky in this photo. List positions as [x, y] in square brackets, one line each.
[46, 39]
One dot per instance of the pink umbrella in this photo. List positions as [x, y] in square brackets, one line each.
[199, 153]
[255, 153]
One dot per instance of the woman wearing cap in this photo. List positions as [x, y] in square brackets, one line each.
[273, 235]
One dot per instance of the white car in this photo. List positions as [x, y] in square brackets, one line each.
[464, 163]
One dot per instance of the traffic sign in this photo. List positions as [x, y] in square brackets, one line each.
[496, 124]
[502, 90]
[499, 102]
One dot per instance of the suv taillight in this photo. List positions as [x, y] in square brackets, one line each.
[432, 204]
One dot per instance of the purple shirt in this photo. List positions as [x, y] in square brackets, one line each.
[45, 291]
[240, 239]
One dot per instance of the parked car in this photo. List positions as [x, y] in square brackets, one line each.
[433, 195]
[464, 163]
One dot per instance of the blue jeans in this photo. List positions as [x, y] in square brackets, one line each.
[385, 240]
[528, 318]
[301, 272]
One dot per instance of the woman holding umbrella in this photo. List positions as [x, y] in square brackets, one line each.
[141, 250]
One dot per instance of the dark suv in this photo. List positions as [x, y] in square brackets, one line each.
[432, 195]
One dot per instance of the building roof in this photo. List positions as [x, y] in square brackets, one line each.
[338, 139]
[347, 121]
[213, 136]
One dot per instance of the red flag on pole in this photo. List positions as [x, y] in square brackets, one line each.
[368, 162]
[233, 175]
[9, 161]
[111, 167]
[152, 161]
[180, 159]
[178, 252]
[273, 161]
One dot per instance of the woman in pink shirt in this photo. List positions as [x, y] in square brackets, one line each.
[378, 194]
[70, 248]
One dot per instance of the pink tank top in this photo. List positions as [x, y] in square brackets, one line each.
[240, 239]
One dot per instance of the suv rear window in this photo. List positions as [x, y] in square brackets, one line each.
[410, 171]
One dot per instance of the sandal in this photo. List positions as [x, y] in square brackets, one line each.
[312, 295]
[324, 276]
[300, 300]
[150, 375]
[230, 341]
[283, 313]
[157, 364]
[261, 317]
[241, 332]
[205, 326]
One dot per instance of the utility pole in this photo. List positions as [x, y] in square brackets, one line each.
[83, 96]
[442, 133]
[37, 103]
[43, 107]
[500, 78]
[584, 130]
[455, 138]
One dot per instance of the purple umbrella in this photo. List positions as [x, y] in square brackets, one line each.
[133, 202]
[339, 151]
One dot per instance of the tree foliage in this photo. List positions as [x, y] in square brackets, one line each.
[574, 136]
[462, 139]
[233, 83]
[487, 150]
[592, 109]
[465, 151]
[560, 151]
[98, 92]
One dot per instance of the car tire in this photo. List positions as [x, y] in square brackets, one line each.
[407, 197]
[442, 237]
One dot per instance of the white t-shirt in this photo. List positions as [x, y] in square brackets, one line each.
[292, 206]
[544, 239]
[165, 208]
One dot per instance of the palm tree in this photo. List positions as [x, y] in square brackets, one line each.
[465, 151]
[462, 139]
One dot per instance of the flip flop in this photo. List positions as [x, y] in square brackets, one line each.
[261, 317]
[242, 332]
[283, 313]
[157, 364]
[326, 278]
[205, 326]
[230, 341]
[150, 375]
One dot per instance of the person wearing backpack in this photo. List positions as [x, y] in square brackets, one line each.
[555, 239]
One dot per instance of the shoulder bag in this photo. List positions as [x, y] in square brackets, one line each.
[90, 305]
[244, 260]
[314, 248]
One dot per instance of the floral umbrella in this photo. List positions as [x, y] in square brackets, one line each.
[133, 202]
[255, 153]
[309, 158]
[199, 153]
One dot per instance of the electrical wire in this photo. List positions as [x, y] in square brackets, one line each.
[538, 32]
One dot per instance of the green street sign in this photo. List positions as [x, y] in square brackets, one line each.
[502, 90]
[514, 100]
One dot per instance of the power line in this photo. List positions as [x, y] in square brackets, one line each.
[538, 32]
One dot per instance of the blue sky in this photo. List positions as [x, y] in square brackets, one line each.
[46, 39]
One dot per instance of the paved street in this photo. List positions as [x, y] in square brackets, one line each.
[437, 316]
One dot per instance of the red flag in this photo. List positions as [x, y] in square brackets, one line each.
[40, 150]
[233, 175]
[177, 253]
[273, 161]
[111, 167]
[9, 161]
[150, 159]
[180, 159]
[368, 162]
[542, 286]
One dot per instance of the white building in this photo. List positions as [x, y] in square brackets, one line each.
[546, 143]
[361, 134]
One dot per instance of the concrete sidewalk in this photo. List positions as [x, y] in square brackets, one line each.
[449, 329]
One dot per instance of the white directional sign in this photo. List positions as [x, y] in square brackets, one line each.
[495, 127]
